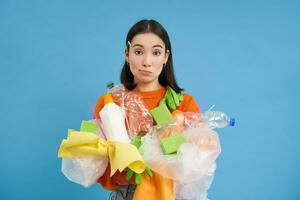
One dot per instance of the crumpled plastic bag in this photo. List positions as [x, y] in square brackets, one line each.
[192, 167]
[196, 190]
[84, 171]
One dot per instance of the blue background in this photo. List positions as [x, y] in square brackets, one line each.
[244, 57]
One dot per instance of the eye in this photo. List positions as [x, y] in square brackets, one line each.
[138, 52]
[156, 53]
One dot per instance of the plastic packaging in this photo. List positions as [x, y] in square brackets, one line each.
[115, 88]
[192, 159]
[196, 190]
[212, 119]
[84, 171]
[118, 93]
[217, 119]
[138, 119]
[192, 168]
[113, 120]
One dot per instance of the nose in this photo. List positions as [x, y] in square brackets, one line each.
[147, 61]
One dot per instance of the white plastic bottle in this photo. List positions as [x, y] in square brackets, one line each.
[113, 120]
[217, 119]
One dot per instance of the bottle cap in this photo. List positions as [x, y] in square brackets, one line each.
[109, 85]
[232, 122]
[108, 98]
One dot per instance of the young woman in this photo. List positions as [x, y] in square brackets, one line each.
[148, 70]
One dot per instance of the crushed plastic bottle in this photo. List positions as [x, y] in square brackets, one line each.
[112, 88]
[217, 119]
[137, 117]
[118, 93]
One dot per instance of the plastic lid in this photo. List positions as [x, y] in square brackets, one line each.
[232, 122]
[109, 85]
[108, 98]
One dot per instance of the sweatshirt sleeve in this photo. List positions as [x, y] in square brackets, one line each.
[189, 104]
[99, 106]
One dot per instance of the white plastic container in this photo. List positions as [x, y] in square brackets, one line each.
[113, 121]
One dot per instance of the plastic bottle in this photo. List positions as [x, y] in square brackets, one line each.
[217, 119]
[113, 120]
[112, 88]
[138, 118]
[117, 92]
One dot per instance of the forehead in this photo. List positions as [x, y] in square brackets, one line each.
[147, 40]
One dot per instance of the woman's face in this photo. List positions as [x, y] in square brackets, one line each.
[146, 56]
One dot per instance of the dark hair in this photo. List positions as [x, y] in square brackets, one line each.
[167, 76]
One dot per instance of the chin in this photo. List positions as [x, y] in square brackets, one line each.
[146, 80]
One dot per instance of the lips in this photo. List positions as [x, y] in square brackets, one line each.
[145, 72]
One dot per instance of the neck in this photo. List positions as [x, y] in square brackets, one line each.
[143, 87]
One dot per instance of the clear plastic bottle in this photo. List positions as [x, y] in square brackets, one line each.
[112, 88]
[217, 119]
[118, 93]
[137, 117]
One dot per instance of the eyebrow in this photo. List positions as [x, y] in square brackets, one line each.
[139, 45]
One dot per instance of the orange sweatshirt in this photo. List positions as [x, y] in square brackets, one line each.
[155, 187]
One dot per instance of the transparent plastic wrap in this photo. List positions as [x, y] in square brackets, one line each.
[84, 171]
[196, 190]
[138, 118]
[192, 159]
[192, 168]
[180, 122]
[191, 119]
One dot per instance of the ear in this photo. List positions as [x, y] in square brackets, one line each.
[167, 56]
[127, 55]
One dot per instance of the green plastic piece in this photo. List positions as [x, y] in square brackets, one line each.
[180, 96]
[137, 142]
[174, 95]
[129, 174]
[138, 179]
[172, 99]
[161, 114]
[148, 170]
[89, 126]
[171, 144]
